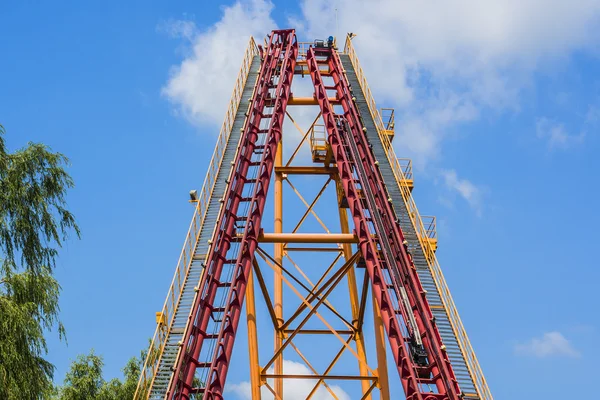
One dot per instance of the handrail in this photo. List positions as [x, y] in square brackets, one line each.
[162, 331]
[457, 326]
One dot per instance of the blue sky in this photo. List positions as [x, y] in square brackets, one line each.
[498, 105]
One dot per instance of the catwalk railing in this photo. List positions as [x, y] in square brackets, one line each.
[229, 260]
[166, 317]
[428, 249]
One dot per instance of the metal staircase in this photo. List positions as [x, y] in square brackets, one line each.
[202, 358]
[433, 296]
[172, 320]
[191, 350]
[161, 381]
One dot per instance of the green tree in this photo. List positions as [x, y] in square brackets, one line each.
[33, 225]
[85, 381]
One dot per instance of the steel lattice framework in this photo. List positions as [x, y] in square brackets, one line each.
[389, 247]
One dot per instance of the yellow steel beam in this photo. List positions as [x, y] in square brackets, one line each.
[311, 206]
[330, 367]
[332, 377]
[304, 135]
[330, 285]
[265, 293]
[307, 238]
[270, 262]
[353, 292]
[313, 310]
[311, 297]
[306, 170]
[368, 394]
[312, 369]
[384, 384]
[307, 205]
[319, 332]
[278, 252]
[317, 249]
[308, 101]
[252, 339]
[277, 397]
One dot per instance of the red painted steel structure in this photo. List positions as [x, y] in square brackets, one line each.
[415, 341]
[252, 171]
[385, 254]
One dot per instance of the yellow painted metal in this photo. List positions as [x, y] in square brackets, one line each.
[430, 224]
[161, 318]
[321, 294]
[304, 135]
[384, 384]
[181, 271]
[319, 147]
[314, 371]
[353, 293]
[308, 238]
[252, 339]
[387, 116]
[308, 170]
[308, 101]
[278, 251]
[308, 206]
[405, 165]
[481, 385]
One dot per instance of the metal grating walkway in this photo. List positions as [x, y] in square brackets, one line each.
[433, 297]
[163, 374]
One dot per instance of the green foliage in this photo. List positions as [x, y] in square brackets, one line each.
[33, 224]
[84, 380]
[28, 305]
[34, 220]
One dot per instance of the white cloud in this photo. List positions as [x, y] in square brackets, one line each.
[293, 389]
[556, 134]
[440, 64]
[443, 63]
[550, 344]
[200, 87]
[179, 29]
[466, 189]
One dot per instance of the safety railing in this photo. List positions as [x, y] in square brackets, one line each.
[406, 167]
[303, 49]
[429, 226]
[455, 321]
[318, 143]
[388, 118]
[166, 317]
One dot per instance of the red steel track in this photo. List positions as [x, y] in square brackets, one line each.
[252, 171]
[420, 356]
[384, 252]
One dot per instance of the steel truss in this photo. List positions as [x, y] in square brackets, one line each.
[236, 258]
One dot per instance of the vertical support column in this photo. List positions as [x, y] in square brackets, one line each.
[354, 300]
[384, 385]
[252, 339]
[278, 253]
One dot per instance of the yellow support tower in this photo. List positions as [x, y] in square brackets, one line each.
[308, 279]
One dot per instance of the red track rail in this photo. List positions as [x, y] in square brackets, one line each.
[386, 252]
[252, 172]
